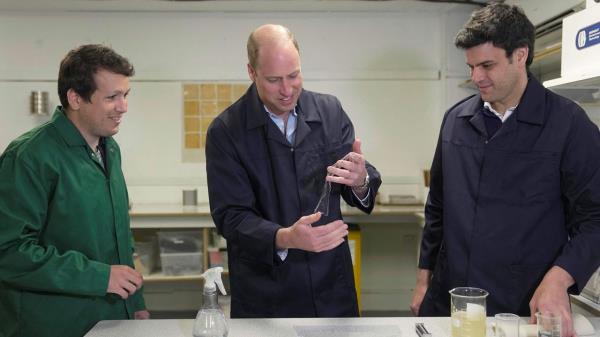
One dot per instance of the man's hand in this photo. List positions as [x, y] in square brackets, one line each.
[142, 314]
[551, 297]
[302, 235]
[423, 280]
[124, 281]
[350, 170]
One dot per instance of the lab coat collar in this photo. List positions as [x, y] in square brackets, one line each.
[531, 108]
[257, 116]
[307, 113]
[66, 128]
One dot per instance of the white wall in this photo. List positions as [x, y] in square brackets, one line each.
[384, 66]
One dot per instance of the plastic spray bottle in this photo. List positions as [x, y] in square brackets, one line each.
[210, 321]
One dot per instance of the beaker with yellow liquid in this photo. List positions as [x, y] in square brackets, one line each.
[467, 308]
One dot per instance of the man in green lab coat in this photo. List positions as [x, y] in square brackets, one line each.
[65, 242]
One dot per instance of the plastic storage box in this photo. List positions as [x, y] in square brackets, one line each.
[180, 252]
[146, 251]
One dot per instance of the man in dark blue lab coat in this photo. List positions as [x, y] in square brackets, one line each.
[514, 201]
[267, 159]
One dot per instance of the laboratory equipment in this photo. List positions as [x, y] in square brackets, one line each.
[210, 321]
[506, 325]
[548, 324]
[468, 311]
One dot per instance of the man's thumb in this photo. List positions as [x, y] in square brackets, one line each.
[356, 146]
[310, 219]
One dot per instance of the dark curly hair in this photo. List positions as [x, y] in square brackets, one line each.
[505, 26]
[78, 67]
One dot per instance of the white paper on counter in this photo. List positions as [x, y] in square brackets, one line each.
[347, 330]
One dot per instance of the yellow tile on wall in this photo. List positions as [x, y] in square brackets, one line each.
[190, 108]
[205, 122]
[203, 139]
[208, 109]
[208, 92]
[192, 141]
[191, 124]
[190, 91]
[238, 90]
[224, 92]
[202, 102]
[222, 105]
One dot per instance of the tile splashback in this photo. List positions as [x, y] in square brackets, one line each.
[202, 102]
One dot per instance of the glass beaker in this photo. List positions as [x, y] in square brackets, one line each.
[548, 324]
[506, 325]
[467, 309]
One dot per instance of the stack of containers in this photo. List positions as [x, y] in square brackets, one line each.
[180, 252]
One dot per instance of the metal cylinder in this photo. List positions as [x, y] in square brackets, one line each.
[39, 102]
[190, 197]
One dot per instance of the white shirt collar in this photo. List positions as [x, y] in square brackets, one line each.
[504, 117]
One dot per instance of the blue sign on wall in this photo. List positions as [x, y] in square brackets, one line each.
[588, 36]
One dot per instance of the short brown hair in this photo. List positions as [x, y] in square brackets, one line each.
[78, 67]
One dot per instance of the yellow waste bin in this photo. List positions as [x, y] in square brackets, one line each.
[355, 251]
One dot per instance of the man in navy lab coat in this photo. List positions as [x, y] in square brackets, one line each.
[514, 201]
[267, 158]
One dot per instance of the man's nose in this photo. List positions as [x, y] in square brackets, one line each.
[476, 74]
[122, 105]
[285, 88]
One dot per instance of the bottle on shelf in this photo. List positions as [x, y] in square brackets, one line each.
[210, 321]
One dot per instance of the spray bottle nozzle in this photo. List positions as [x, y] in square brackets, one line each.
[212, 277]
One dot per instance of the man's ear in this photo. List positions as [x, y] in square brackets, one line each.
[251, 73]
[74, 99]
[521, 54]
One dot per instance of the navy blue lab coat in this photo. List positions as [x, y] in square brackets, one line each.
[502, 211]
[258, 183]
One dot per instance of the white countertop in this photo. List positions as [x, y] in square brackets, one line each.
[282, 327]
[288, 327]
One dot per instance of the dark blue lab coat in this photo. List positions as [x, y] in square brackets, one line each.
[502, 211]
[259, 183]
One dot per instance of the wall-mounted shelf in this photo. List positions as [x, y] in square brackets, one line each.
[583, 88]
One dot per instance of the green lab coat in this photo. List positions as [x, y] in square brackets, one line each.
[63, 223]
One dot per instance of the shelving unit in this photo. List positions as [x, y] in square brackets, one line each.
[155, 217]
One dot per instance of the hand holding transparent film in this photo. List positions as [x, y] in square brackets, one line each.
[323, 203]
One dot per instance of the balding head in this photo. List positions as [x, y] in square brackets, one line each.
[268, 35]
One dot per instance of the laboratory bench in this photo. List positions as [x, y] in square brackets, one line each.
[293, 327]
